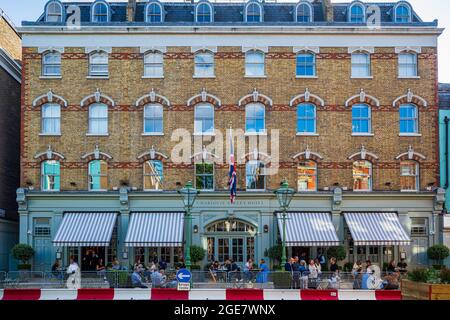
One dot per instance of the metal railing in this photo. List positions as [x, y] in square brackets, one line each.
[211, 279]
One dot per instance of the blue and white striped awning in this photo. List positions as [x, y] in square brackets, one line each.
[155, 229]
[85, 229]
[308, 229]
[376, 228]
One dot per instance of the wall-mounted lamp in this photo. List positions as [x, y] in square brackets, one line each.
[196, 229]
[266, 228]
[58, 255]
[125, 255]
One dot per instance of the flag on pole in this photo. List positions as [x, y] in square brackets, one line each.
[232, 173]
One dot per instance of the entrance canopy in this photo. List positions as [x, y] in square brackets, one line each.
[85, 229]
[376, 228]
[305, 229]
[155, 229]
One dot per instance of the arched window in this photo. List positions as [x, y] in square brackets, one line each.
[98, 175]
[51, 64]
[255, 118]
[361, 65]
[306, 64]
[50, 175]
[230, 226]
[100, 12]
[154, 64]
[153, 175]
[204, 176]
[304, 12]
[153, 119]
[254, 63]
[407, 65]
[253, 12]
[255, 175]
[154, 13]
[204, 118]
[54, 12]
[409, 175]
[306, 118]
[51, 119]
[204, 64]
[402, 13]
[203, 12]
[98, 64]
[307, 176]
[362, 175]
[357, 13]
[361, 119]
[408, 119]
[98, 119]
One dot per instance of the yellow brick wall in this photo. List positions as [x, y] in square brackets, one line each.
[10, 40]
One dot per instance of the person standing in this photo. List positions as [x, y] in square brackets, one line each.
[321, 259]
[313, 273]
[333, 265]
[73, 270]
[402, 266]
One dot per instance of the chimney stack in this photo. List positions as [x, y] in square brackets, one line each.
[131, 10]
[328, 10]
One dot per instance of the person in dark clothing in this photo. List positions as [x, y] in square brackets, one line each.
[392, 268]
[402, 266]
[296, 272]
[288, 265]
[333, 265]
[162, 265]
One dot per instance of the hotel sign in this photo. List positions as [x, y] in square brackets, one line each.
[226, 203]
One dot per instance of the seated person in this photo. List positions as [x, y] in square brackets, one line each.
[158, 279]
[136, 279]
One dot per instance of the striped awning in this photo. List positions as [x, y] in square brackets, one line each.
[308, 229]
[155, 229]
[85, 229]
[376, 228]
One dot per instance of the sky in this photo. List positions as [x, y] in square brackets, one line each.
[428, 10]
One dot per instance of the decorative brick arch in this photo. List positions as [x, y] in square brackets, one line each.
[97, 97]
[96, 155]
[362, 97]
[308, 155]
[307, 97]
[204, 97]
[410, 97]
[206, 156]
[261, 156]
[152, 154]
[363, 154]
[152, 97]
[411, 155]
[49, 97]
[49, 154]
[255, 97]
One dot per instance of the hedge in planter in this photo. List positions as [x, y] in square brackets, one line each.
[281, 280]
[23, 253]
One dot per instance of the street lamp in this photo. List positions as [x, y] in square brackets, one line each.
[284, 196]
[189, 194]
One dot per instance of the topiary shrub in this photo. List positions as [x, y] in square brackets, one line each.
[274, 253]
[438, 252]
[23, 253]
[419, 275]
[348, 267]
[337, 252]
[197, 254]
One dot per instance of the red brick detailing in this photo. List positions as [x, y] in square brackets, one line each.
[229, 55]
[45, 100]
[74, 56]
[280, 55]
[102, 99]
[125, 56]
[147, 100]
[414, 157]
[260, 99]
[414, 100]
[368, 157]
[44, 157]
[368, 100]
[312, 100]
[312, 157]
[336, 56]
[208, 99]
[178, 55]
[147, 158]
[101, 156]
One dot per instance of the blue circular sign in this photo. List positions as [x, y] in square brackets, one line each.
[184, 275]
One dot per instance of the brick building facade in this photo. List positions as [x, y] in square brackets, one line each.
[365, 141]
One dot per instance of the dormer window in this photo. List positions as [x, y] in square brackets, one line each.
[357, 13]
[304, 12]
[253, 12]
[203, 12]
[154, 12]
[402, 13]
[100, 12]
[53, 12]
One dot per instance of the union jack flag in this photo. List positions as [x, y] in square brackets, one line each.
[232, 173]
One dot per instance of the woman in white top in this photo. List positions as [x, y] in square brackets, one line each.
[74, 280]
[313, 271]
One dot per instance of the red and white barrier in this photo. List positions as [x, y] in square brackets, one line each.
[197, 294]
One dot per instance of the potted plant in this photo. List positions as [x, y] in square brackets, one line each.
[23, 253]
[275, 253]
[438, 253]
[281, 279]
[197, 255]
[337, 252]
[426, 284]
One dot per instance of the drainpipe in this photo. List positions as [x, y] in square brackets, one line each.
[446, 121]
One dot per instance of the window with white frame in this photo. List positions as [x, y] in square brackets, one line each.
[51, 64]
[255, 118]
[153, 175]
[362, 175]
[409, 175]
[153, 118]
[306, 64]
[360, 65]
[419, 226]
[306, 118]
[154, 64]
[255, 175]
[253, 12]
[50, 175]
[254, 63]
[204, 176]
[98, 118]
[204, 118]
[361, 119]
[54, 12]
[304, 12]
[307, 176]
[357, 13]
[407, 64]
[98, 64]
[154, 13]
[402, 14]
[408, 119]
[100, 12]
[98, 175]
[51, 118]
[204, 64]
[203, 12]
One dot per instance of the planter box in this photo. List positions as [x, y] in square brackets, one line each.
[424, 291]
